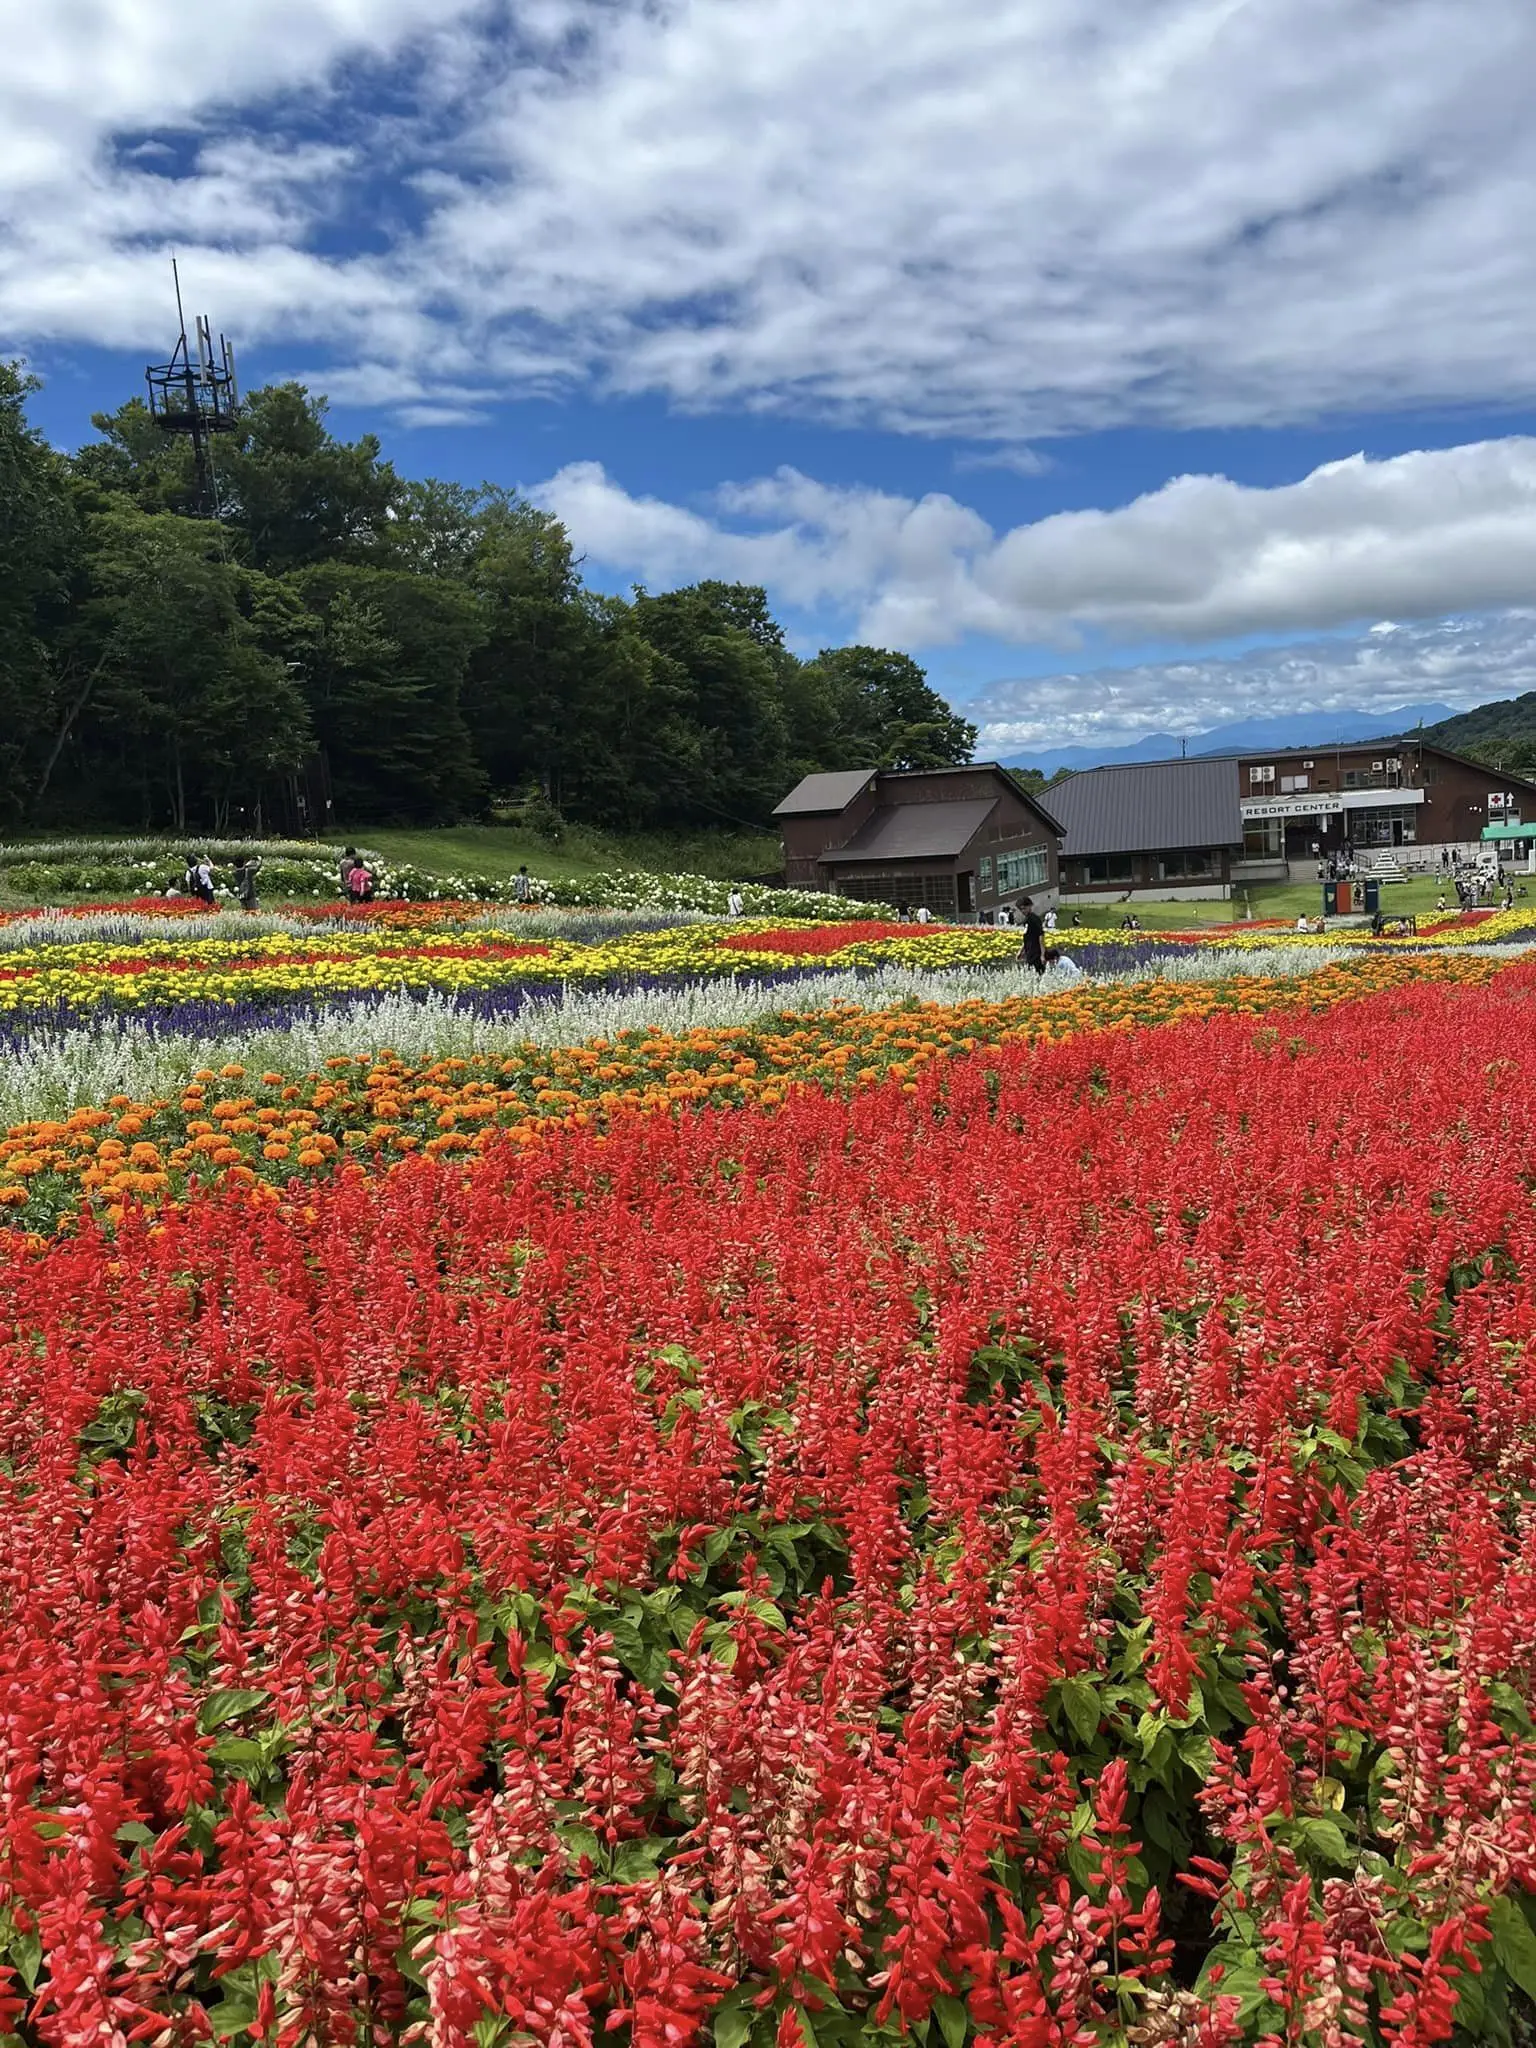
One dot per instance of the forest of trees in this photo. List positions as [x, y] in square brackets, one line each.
[1501, 734]
[417, 648]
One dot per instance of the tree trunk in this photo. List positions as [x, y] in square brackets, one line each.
[82, 697]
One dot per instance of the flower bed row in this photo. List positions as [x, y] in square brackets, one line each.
[72, 979]
[295, 872]
[1038, 1551]
[259, 1131]
[400, 950]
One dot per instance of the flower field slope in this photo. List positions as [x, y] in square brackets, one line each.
[257, 1127]
[1039, 1547]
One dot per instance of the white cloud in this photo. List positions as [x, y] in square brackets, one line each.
[1454, 662]
[1415, 536]
[84, 229]
[990, 217]
[1016, 457]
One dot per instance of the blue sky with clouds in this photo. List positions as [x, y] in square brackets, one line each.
[1131, 362]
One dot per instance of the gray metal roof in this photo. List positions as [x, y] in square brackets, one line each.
[824, 792]
[915, 832]
[1153, 807]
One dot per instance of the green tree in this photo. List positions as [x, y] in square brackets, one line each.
[434, 528]
[182, 701]
[384, 684]
[299, 495]
[881, 712]
[729, 692]
[39, 550]
[636, 752]
[526, 688]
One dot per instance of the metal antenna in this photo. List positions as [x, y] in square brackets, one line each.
[198, 400]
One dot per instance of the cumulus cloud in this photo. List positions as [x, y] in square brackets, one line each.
[1415, 536]
[1454, 662]
[125, 130]
[997, 221]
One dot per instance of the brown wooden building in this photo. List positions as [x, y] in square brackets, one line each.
[1400, 803]
[962, 841]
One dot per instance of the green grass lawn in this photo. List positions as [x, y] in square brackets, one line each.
[1288, 900]
[500, 850]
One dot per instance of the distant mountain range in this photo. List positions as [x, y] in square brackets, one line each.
[1298, 729]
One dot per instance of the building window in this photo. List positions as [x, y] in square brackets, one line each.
[1292, 784]
[1026, 870]
[1108, 867]
[1192, 864]
[1391, 825]
[984, 871]
[1264, 839]
[904, 890]
[1261, 778]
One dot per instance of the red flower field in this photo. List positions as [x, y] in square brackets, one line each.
[1045, 1552]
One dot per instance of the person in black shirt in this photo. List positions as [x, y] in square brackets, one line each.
[1032, 953]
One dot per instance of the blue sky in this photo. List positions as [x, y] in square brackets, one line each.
[1137, 364]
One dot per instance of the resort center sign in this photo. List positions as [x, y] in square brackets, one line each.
[1324, 804]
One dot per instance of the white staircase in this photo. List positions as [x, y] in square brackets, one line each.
[1380, 863]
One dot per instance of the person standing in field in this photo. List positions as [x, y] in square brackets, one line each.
[1032, 952]
[734, 903]
[346, 864]
[245, 882]
[200, 875]
[522, 886]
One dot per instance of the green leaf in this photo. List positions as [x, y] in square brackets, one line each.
[235, 1751]
[764, 1610]
[227, 1704]
[581, 1842]
[635, 1862]
[1509, 1701]
[1326, 1838]
[1080, 1702]
[731, 2026]
[630, 1646]
[1514, 1945]
[954, 2024]
[682, 1362]
[26, 1952]
[232, 2016]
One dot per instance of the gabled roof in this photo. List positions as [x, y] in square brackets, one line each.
[1152, 807]
[915, 832]
[824, 793]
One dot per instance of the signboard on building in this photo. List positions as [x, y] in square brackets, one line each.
[1326, 804]
[1294, 807]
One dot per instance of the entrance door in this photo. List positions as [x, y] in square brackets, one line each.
[967, 899]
